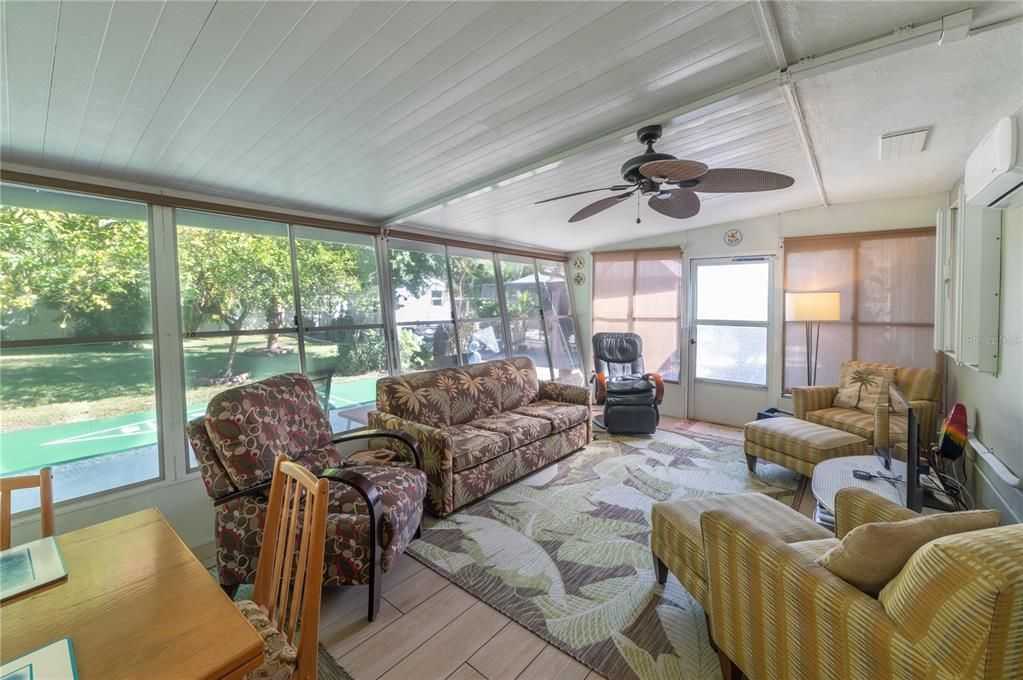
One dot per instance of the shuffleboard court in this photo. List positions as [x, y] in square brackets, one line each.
[67, 442]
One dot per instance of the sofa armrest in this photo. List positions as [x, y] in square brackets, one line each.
[855, 506]
[569, 394]
[806, 399]
[437, 462]
[767, 601]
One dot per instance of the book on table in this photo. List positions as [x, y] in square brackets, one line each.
[55, 661]
[29, 566]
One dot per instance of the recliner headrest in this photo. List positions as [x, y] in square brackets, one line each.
[617, 347]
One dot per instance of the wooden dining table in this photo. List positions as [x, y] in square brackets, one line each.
[136, 604]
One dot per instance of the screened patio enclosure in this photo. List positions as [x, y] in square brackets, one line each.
[119, 320]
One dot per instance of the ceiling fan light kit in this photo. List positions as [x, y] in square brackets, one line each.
[671, 184]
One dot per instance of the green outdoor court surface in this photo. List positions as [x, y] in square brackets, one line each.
[55, 444]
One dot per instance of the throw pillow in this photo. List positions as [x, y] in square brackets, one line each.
[862, 386]
[873, 554]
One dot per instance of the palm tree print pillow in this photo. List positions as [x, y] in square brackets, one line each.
[862, 386]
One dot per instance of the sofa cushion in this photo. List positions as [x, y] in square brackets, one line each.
[561, 416]
[857, 422]
[519, 429]
[249, 426]
[471, 446]
[872, 554]
[455, 396]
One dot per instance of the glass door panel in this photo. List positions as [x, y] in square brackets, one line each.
[559, 323]
[528, 336]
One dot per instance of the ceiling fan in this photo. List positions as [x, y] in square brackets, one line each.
[672, 183]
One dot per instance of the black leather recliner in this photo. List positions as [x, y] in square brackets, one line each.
[630, 395]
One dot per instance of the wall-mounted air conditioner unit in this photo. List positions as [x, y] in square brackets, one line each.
[994, 171]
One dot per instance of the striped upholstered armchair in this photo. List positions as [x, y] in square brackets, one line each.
[921, 386]
[954, 611]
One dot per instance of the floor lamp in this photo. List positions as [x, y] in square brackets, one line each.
[811, 309]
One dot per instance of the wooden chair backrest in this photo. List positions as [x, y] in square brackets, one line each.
[289, 576]
[44, 480]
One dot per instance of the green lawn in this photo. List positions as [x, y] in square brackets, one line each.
[47, 386]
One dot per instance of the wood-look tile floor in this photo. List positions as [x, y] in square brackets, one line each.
[430, 629]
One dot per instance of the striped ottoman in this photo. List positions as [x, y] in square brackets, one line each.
[798, 444]
[676, 539]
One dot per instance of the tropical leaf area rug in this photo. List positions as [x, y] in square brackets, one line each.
[565, 551]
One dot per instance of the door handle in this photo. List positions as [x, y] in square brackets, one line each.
[692, 341]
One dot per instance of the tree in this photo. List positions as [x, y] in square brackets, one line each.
[90, 272]
[863, 378]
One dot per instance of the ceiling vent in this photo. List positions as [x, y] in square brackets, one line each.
[895, 145]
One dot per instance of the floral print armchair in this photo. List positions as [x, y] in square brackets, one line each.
[375, 509]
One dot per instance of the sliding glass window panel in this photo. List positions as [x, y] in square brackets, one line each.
[337, 277]
[556, 301]
[474, 284]
[419, 282]
[237, 304]
[76, 346]
[521, 294]
[423, 346]
[522, 306]
[482, 340]
[343, 332]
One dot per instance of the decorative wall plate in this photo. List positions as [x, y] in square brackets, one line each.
[579, 278]
[733, 237]
[578, 263]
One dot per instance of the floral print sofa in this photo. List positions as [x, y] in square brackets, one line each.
[236, 443]
[482, 426]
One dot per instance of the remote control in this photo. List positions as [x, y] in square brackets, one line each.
[862, 474]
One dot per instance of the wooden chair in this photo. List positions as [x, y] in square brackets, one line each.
[286, 596]
[44, 480]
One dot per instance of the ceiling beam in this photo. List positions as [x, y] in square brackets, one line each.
[898, 40]
[763, 13]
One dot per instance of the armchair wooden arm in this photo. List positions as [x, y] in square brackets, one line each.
[600, 387]
[410, 442]
[658, 385]
[374, 506]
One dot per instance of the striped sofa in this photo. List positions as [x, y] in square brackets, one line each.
[921, 386]
[954, 611]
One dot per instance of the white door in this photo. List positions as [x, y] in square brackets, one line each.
[729, 338]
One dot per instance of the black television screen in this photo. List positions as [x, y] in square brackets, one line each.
[914, 491]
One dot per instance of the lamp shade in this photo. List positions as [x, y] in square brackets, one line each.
[823, 306]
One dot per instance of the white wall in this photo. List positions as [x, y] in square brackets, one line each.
[762, 236]
[994, 403]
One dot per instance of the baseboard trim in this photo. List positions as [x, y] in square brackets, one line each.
[990, 493]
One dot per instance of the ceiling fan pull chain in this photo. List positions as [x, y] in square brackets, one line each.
[637, 208]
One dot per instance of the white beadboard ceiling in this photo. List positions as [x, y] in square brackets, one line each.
[368, 110]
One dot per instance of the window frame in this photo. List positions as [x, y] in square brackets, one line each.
[630, 320]
[694, 264]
